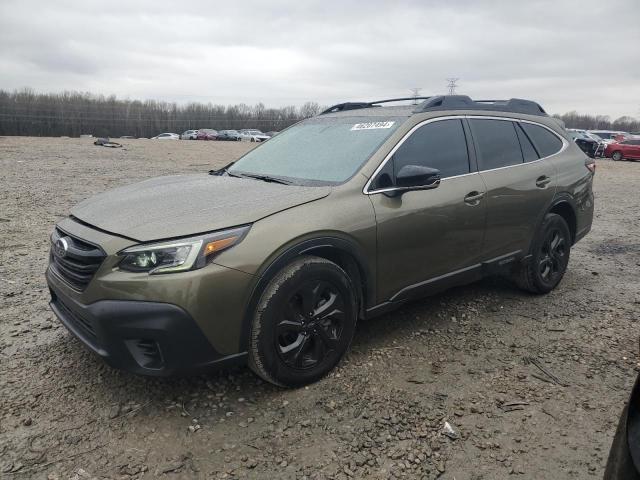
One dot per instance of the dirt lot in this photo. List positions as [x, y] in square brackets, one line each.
[470, 357]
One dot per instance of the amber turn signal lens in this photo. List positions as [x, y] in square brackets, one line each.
[218, 245]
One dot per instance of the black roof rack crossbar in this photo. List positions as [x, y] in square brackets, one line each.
[404, 99]
[463, 102]
[341, 107]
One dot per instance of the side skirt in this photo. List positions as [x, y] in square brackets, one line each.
[495, 266]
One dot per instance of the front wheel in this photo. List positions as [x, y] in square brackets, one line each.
[617, 156]
[547, 261]
[303, 324]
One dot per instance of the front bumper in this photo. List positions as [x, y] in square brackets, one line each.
[147, 338]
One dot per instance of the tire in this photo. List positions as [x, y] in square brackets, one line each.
[303, 324]
[548, 258]
[620, 463]
[616, 156]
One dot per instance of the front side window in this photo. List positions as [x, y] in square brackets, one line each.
[321, 150]
[497, 143]
[441, 145]
[546, 143]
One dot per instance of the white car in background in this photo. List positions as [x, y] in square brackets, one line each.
[166, 136]
[253, 135]
[608, 136]
[189, 135]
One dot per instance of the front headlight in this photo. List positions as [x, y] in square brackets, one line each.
[179, 255]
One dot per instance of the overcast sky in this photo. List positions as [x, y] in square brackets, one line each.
[579, 55]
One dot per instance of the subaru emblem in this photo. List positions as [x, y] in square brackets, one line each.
[60, 248]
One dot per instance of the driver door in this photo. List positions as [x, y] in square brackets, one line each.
[425, 235]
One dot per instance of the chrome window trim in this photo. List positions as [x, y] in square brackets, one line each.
[366, 191]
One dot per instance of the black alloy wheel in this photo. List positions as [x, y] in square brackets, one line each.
[551, 262]
[542, 270]
[303, 322]
[311, 325]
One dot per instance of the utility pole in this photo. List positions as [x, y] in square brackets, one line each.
[415, 93]
[452, 85]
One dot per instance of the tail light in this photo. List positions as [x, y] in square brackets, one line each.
[590, 163]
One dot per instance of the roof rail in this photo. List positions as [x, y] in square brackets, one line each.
[463, 102]
[341, 107]
[450, 102]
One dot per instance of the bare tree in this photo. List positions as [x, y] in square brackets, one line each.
[26, 112]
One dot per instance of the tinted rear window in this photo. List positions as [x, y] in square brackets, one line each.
[440, 145]
[497, 143]
[545, 142]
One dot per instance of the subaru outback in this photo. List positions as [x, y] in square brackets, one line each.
[271, 260]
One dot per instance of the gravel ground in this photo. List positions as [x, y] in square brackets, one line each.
[475, 357]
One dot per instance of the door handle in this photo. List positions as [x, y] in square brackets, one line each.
[473, 198]
[543, 181]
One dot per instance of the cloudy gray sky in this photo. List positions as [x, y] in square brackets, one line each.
[569, 55]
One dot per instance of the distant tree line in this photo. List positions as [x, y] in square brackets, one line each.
[25, 112]
[599, 122]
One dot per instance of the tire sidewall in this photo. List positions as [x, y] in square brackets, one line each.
[263, 356]
[613, 156]
[551, 221]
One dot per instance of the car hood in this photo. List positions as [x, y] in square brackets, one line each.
[182, 205]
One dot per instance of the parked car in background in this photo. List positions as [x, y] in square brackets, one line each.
[189, 135]
[166, 136]
[229, 135]
[272, 133]
[624, 150]
[207, 134]
[253, 135]
[587, 144]
[252, 264]
[608, 136]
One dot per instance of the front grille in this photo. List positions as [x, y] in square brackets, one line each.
[81, 323]
[74, 260]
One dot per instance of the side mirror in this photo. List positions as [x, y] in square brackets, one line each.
[416, 177]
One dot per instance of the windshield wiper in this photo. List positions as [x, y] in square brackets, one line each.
[264, 178]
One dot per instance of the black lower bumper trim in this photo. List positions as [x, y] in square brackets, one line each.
[146, 338]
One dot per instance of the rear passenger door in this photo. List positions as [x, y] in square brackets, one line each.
[513, 160]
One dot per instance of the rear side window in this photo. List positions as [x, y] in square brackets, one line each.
[545, 142]
[497, 143]
[441, 144]
[528, 152]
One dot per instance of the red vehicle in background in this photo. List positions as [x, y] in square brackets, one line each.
[624, 150]
[207, 134]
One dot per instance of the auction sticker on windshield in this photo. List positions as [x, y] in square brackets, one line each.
[372, 125]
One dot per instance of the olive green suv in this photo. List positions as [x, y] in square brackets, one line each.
[273, 259]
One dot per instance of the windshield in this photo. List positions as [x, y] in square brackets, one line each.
[319, 150]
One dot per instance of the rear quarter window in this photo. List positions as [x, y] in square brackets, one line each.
[546, 143]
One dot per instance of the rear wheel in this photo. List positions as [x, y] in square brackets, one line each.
[303, 324]
[617, 156]
[549, 256]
